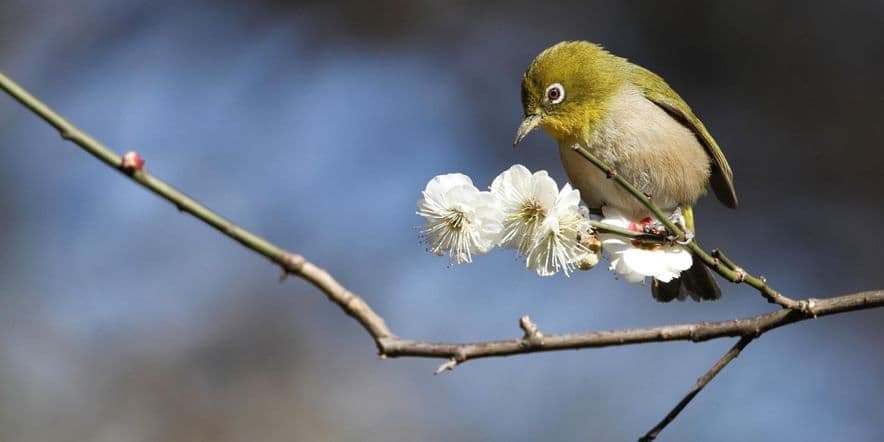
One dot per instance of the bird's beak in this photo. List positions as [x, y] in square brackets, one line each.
[528, 124]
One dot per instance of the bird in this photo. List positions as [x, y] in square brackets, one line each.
[633, 121]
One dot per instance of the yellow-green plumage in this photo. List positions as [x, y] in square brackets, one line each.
[590, 76]
[657, 91]
[634, 122]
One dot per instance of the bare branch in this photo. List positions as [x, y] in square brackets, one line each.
[697, 332]
[726, 359]
[389, 345]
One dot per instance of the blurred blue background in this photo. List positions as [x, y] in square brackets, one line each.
[316, 124]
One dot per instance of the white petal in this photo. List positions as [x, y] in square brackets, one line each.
[624, 272]
[488, 201]
[517, 175]
[430, 207]
[461, 195]
[666, 276]
[440, 184]
[634, 278]
[612, 212]
[645, 262]
[568, 196]
[614, 245]
[544, 190]
[678, 259]
[623, 223]
[614, 217]
[489, 217]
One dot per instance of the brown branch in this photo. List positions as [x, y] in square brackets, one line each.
[726, 359]
[696, 332]
[389, 345]
[352, 304]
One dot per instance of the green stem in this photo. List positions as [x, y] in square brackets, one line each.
[719, 255]
[732, 273]
[183, 202]
[601, 227]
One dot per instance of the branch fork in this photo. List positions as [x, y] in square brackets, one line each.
[532, 332]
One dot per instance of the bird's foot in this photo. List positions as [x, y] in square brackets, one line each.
[688, 238]
[678, 219]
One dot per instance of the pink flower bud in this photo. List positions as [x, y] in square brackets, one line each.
[132, 162]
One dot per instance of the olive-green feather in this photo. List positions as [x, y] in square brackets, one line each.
[657, 91]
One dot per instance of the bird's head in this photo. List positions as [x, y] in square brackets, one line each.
[566, 90]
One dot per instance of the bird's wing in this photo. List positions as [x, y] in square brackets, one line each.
[657, 91]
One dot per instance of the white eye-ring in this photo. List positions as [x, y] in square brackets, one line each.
[555, 93]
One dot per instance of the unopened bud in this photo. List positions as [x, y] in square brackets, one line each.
[131, 162]
[591, 242]
[587, 261]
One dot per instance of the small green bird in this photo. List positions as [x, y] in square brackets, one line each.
[634, 122]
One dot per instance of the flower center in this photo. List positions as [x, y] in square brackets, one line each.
[455, 220]
[531, 213]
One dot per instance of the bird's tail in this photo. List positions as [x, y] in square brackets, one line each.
[696, 282]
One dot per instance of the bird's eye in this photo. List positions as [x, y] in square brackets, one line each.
[555, 93]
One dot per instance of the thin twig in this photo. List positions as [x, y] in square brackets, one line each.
[725, 359]
[446, 366]
[532, 331]
[601, 227]
[719, 255]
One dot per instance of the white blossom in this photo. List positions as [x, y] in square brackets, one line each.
[526, 199]
[634, 261]
[460, 220]
[556, 244]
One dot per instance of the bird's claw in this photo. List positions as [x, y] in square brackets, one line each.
[678, 219]
[688, 238]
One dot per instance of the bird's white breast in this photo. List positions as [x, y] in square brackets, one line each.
[649, 148]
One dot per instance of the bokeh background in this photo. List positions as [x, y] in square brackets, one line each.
[316, 124]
